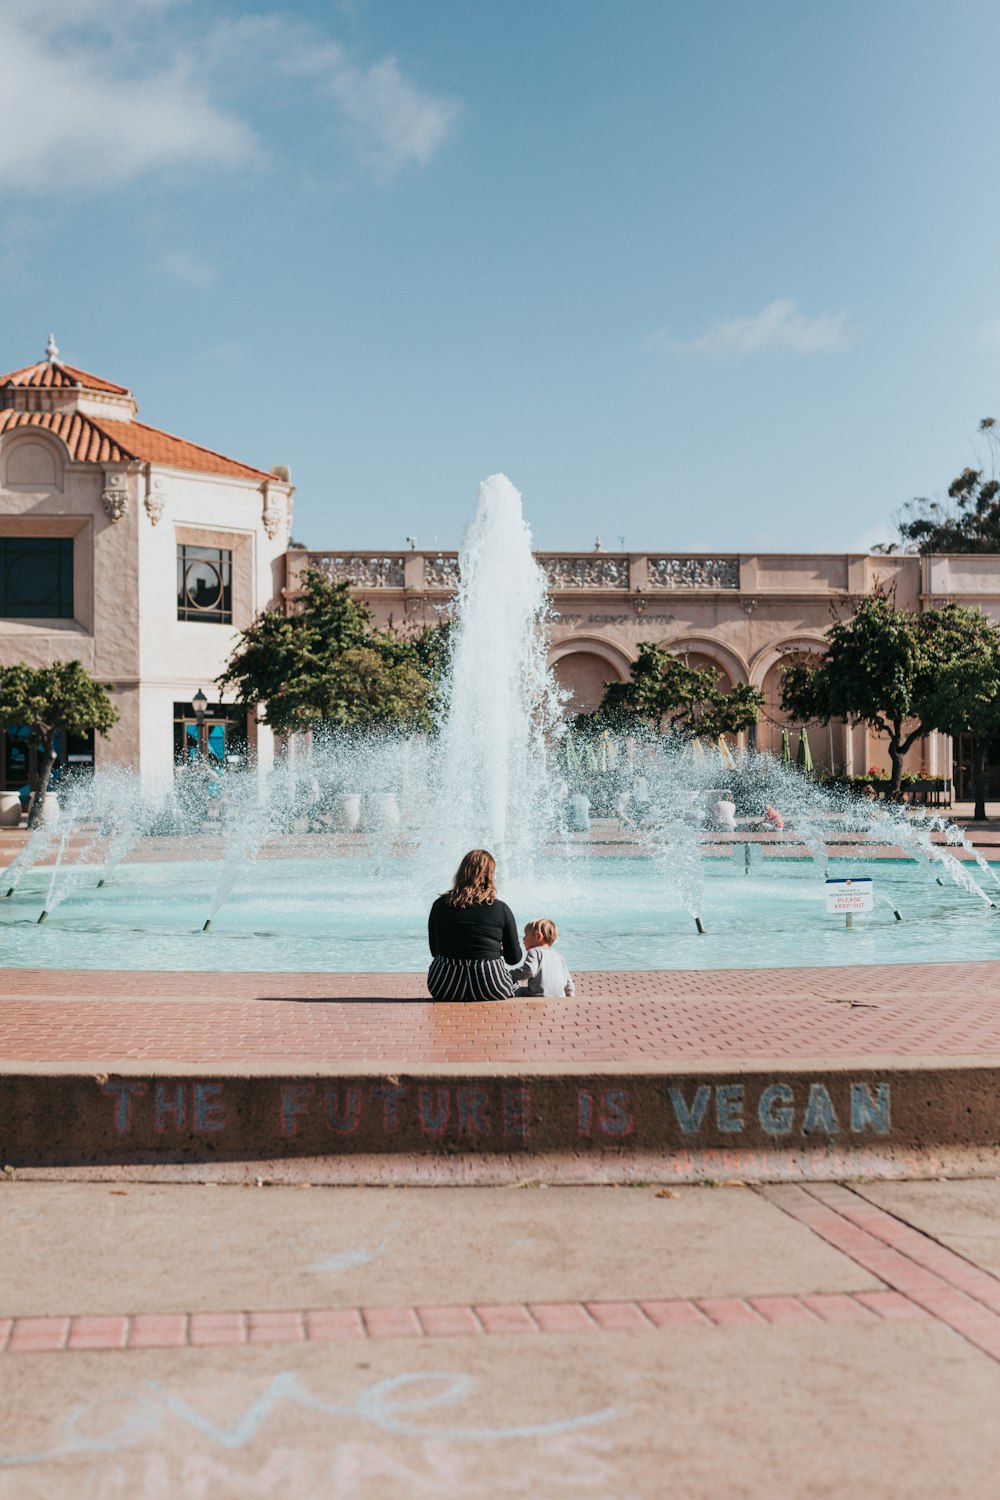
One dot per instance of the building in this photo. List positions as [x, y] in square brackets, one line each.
[135, 552]
[745, 614]
[143, 556]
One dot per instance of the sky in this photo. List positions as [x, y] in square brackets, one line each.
[697, 275]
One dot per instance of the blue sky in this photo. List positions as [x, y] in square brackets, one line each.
[708, 274]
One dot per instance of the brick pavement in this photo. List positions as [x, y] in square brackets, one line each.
[656, 1018]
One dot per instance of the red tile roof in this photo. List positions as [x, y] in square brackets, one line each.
[84, 439]
[53, 374]
[96, 440]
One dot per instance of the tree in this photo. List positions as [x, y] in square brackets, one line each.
[46, 700]
[964, 694]
[970, 524]
[325, 665]
[879, 669]
[664, 689]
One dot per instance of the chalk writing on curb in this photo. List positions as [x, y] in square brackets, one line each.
[507, 1116]
[112, 1423]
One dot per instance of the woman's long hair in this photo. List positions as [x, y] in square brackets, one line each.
[474, 880]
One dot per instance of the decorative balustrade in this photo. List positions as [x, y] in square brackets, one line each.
[587, 572]
[363, 569]
[441, 572]
[564, 572]
[693, 572]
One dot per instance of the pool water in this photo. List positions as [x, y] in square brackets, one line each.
[613, 913]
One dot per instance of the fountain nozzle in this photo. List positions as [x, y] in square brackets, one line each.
[207, 925]
[100, 882]
[700, 925]
[9, 892]
[43, 918]
[897, 914]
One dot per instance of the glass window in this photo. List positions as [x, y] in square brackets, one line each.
[204, 584]
[36, 577]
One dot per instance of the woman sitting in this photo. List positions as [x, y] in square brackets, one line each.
[471, 933]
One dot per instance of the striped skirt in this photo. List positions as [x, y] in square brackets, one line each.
[469, 979]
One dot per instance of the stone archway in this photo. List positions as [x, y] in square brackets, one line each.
[826, 744]
[584, 666]
[701, 652]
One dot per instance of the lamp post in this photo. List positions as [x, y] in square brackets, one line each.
[200, 704]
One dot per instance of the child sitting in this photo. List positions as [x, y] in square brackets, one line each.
[543, 968]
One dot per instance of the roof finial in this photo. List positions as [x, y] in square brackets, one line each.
[51, 348]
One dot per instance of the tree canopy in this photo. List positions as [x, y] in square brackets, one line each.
[664, 691]
[902, 674]
[49, 699]
[964, 693]
[971, 523]
[326, 666]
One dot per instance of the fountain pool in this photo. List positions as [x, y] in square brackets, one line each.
[362, 915]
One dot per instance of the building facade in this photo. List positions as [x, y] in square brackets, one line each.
[745, 614]
[137, 553]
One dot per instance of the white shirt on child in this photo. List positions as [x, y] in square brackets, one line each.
[546, 973]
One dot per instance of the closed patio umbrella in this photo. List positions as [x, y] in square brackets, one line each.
[804, 759]
[786, 748]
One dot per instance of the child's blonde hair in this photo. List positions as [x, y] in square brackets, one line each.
[544, 929]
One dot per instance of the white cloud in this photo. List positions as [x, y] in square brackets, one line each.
[108, 92]
[780, 325]
[391, 122]
[186, 268]
[71, 117]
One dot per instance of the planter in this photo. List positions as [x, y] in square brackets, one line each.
[346, 813]
[10, 809]
[381, 812]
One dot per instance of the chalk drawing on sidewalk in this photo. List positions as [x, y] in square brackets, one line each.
[122, 1420]
[344, 1260]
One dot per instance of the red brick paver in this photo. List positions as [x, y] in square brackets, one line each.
[214, 1329]
[940, 1292]
[899, 1010]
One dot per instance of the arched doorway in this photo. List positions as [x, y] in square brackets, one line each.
[826, 744]
[583, 675]
[584, 668]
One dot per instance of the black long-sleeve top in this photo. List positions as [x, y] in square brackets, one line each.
[484, 931]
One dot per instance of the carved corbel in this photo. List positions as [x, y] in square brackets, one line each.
[115, 497]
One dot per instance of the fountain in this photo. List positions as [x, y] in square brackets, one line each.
[330, 861]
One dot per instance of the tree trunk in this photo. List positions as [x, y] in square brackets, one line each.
[896, 758]
[980, 748]
[46, 760]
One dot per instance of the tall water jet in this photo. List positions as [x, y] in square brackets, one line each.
[502, 703]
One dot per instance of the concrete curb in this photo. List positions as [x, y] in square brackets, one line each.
[771, 1122]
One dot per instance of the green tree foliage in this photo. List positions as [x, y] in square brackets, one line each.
[49, 699]
[664, 691]
[964, 694]
[326, 666]
[901, 674]
[971, 523]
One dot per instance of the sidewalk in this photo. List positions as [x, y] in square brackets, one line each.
[569, 1344]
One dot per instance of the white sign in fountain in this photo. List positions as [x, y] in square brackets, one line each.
[849, 896]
